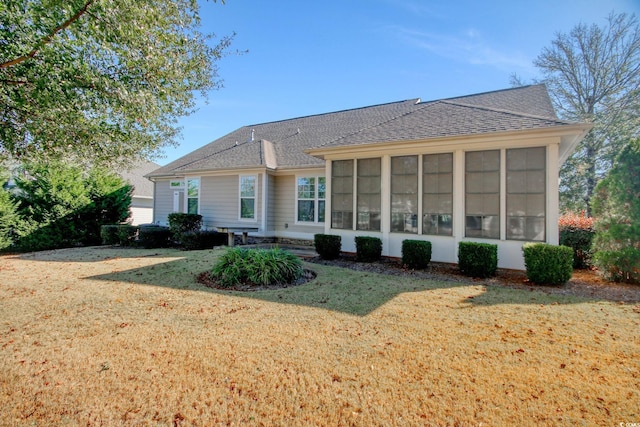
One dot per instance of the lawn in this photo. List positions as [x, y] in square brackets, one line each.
[107, 336]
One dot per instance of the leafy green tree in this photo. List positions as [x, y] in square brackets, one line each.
[65, 206]
[103, 79]
[617, 209]
[593, 74]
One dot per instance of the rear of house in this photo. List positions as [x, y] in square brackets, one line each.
[482, 168]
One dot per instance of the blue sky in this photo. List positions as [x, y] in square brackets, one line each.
[311, 57]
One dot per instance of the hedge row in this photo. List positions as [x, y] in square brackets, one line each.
[545, 264]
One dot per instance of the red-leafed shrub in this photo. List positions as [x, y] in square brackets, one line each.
[577, 232]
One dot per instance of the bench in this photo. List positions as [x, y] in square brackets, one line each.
[232, 230]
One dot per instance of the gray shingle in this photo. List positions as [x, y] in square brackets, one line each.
[527, 107]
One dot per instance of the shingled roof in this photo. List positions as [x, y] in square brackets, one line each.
[283, 144]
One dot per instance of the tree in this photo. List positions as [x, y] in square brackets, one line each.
[617, 208]
[103, 80]
[63, 205]
[593, 74]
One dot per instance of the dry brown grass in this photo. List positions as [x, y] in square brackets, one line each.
[104, 336]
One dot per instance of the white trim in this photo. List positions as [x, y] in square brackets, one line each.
[186, 193]
[255, 198]
[316, 200]
[264, 195]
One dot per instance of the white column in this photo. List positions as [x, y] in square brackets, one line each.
[553, 203]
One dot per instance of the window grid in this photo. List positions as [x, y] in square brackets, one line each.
[437, 194]
[526, 194]
[369, 194]
[404, 194]
[247, 197]
[342, 194]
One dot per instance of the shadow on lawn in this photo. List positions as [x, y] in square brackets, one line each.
[337, 289]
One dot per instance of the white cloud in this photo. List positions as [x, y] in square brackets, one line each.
[470, 48]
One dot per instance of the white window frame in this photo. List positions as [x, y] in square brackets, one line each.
[316, 199]
[186, 193]
[255, 198]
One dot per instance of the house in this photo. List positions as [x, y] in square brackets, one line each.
[480, 168]
[142, 198]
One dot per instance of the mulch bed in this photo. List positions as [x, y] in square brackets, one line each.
[584, 283]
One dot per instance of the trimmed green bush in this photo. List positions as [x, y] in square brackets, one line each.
[256, 267]
[202, 239]
[154, 236]
[478, 259]
[548, 264]
[180, 223]
[109, 234]
[368, 249]
[127, 234]
[328, 246]
[416, 253]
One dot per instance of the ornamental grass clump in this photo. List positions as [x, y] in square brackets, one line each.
[256, 267]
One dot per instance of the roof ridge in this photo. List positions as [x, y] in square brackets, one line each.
[237, 144]
[509, 89]
[419, 107]
[500, 110]
[415, 100]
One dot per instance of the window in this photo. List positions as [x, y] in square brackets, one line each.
[404, 194]
[248, 197]
[526, 193]
[311, 193]
[437, 194]
[342, 194]
[369, 173]
[193, 195]
[482, 198]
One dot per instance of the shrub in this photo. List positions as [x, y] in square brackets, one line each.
[622, 265]
[109, 234]
[154, 236]
[478, 259]
[577, 232]
[548, 264]
[416, 253]
[256, 267]
[127, 234]
[328, 246]
[180, 223]
[368, 249]
[202, 239]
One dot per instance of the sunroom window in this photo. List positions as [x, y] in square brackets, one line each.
[369, 198]
[404, 194]
[482, 198]
[342, 194]
[526, 193]
[437, 194]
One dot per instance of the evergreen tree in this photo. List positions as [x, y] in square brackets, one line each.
[617, 209]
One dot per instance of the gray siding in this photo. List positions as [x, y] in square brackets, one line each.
[162, 201]
[219, 203]
[285, 209]
[271, 203]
